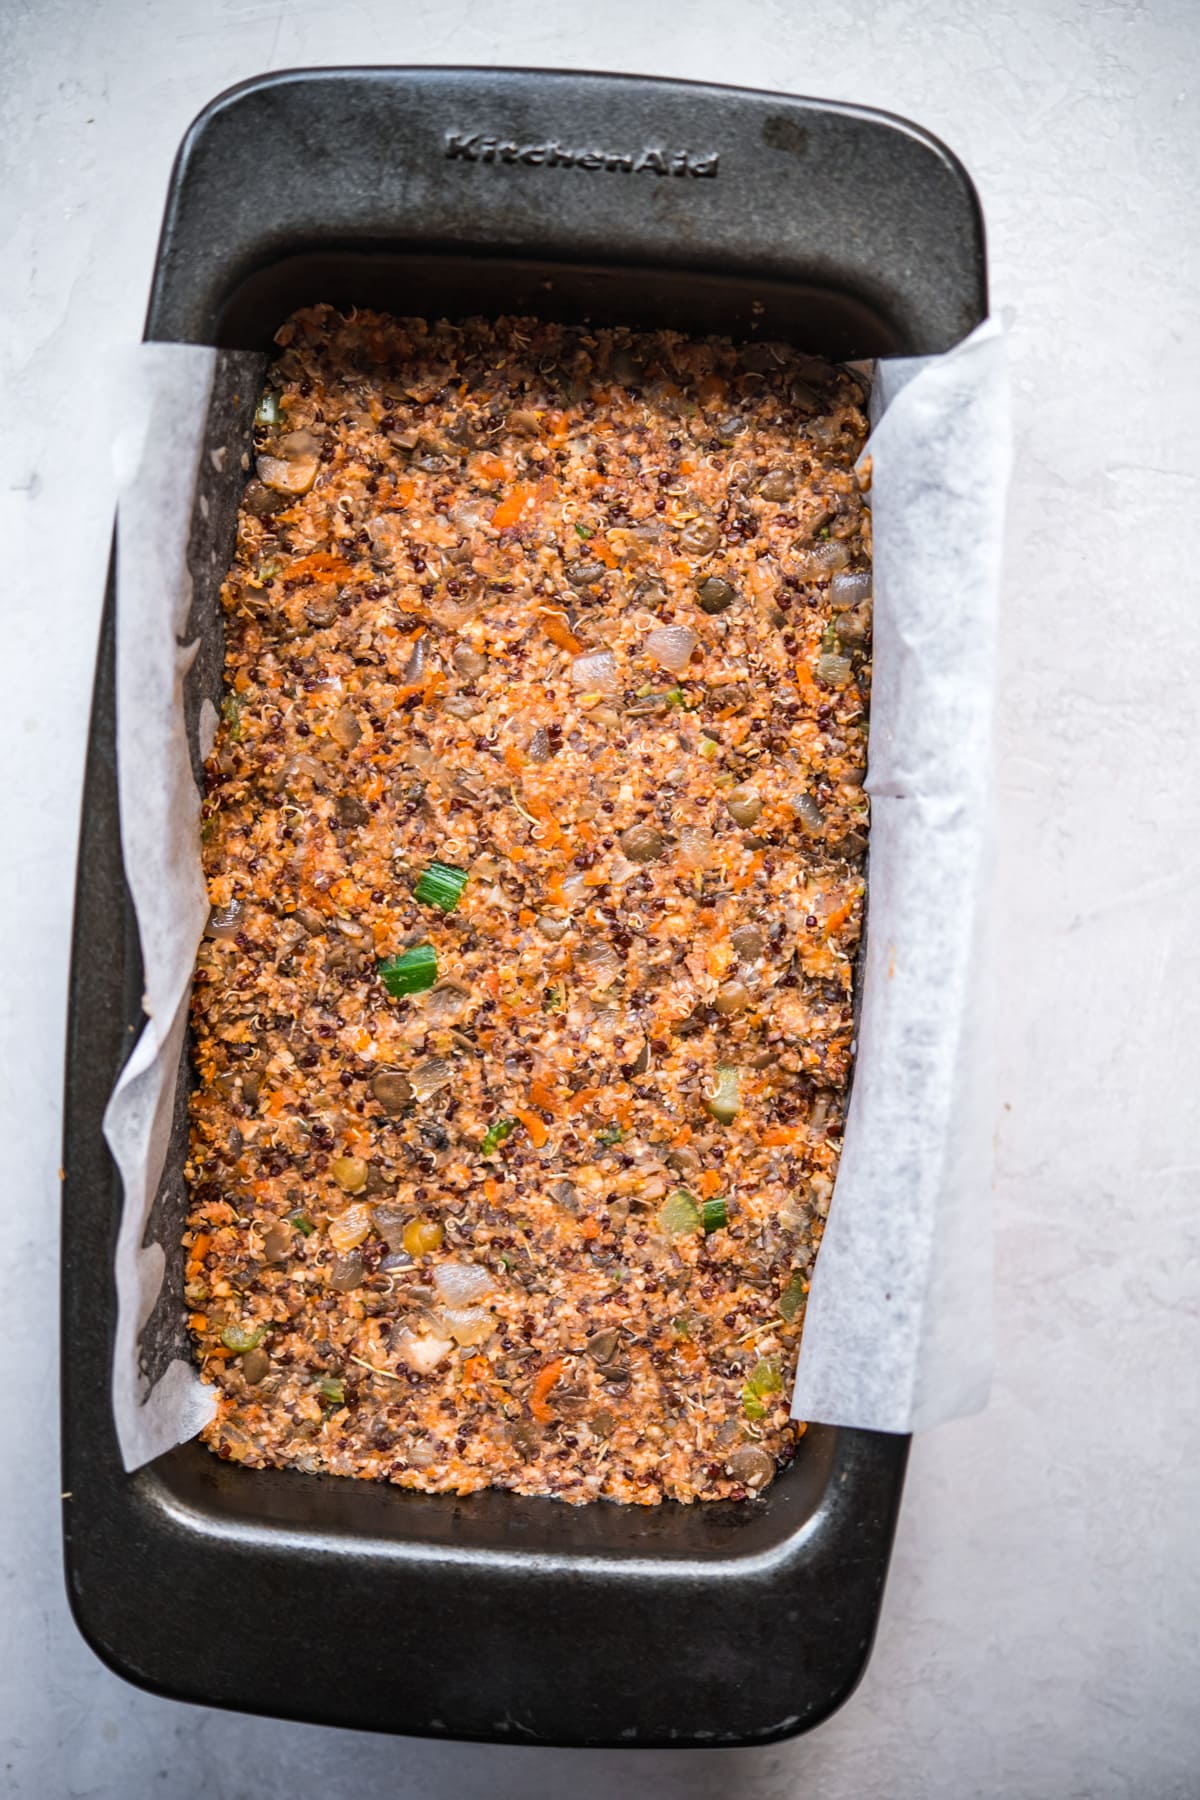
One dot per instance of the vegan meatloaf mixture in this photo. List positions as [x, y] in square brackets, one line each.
[534, 835]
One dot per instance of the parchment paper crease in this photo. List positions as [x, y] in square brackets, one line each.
[897, 1334]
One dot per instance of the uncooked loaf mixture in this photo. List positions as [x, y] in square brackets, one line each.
[534, 835]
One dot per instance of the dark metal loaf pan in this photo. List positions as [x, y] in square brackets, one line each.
[495, 1617]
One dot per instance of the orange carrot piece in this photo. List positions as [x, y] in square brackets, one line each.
[512, 507]
[558, 630]
[321, 564]
[709, 1184]
[543, 1381]
[534, 1124]
[542, 1094]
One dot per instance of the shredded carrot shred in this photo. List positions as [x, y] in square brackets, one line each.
[543, 1381]
[709, 1183]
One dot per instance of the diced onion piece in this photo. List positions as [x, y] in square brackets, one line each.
[225, 921]
[350, 1228]
[429, 1076]
[460, 1283]
[467, 1324]
[414, 668]
[808, 812]
[846, 590]
[671, 647]
[695, 847]
[596, 672]
[423, 1354]
[597, 963]
[268, 410]
[834, 669]
[293, 474]
[448, 1002]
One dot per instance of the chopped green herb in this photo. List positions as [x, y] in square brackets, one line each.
[268, 411]
[231, 712]
[441, 884]
[552, 1000]
[612, 1134]
[411, 972]
[681, 1325]
[679, 1213]
[495, 1135]
[709, 748]
[332, 1390]
[269, 568]
[793, 1296]
[675, 697]
[237, 1338]
[302, 1223]
[764, 1378]
[824, 531]
[714, 1215]
[585, 531]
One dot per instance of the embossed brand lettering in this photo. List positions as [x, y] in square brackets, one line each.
[655, 159]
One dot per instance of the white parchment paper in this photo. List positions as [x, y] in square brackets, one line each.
[897, 1334]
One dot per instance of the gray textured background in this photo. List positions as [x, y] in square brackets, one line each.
[1040, 1633]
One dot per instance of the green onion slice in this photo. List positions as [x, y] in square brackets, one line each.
[764, 1378]
[679, 1213]
[332, 1389]
[411, 972]
[496, 1133]
[237, 1338]
[302, 1223]
[714, 1215]
[441, 884]
[792, 1297]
